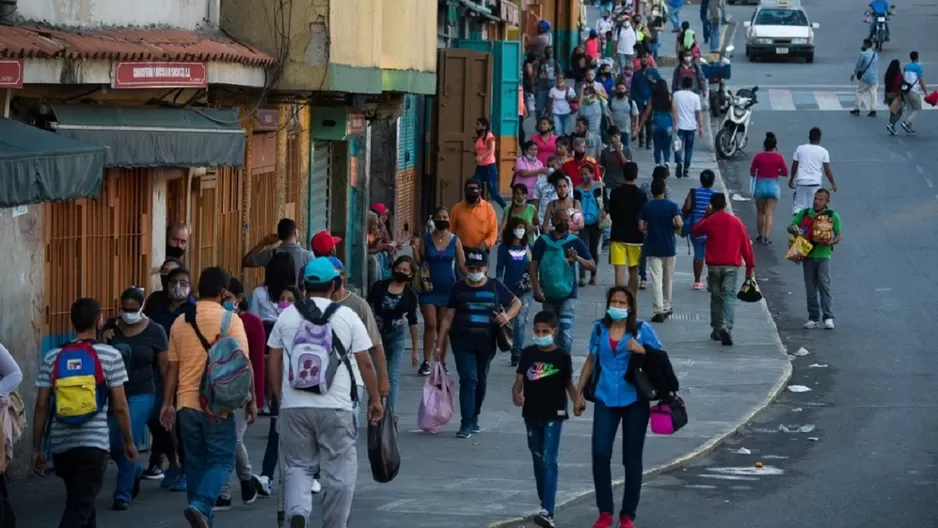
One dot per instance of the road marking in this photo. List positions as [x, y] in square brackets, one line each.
[827, 101]
[781, 100]
[920, 169]
[929, 183]
[748, 471]
[909, 154]
[729, 477]
[883, 289]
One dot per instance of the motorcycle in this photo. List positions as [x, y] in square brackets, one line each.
[717, 74]
[878, 35]
[734, 131]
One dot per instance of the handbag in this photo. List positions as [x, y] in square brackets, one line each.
[668, 417]
[421, 281]
[749, 292]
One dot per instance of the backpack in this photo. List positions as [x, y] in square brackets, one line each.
[79, 386]
[317, 351]
[589, 206]
[556, 274]
[227, 380]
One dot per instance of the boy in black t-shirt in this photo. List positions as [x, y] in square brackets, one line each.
[545, 378]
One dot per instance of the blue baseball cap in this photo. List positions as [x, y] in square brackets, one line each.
[337, 263]
[320, 270]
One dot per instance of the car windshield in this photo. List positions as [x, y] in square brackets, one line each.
[781, 17]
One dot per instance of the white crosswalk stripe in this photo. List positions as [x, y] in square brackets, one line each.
[790, 100]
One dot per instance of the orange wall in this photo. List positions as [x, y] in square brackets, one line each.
[506, 152]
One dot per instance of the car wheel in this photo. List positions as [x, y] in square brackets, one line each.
[747, 52]
[809, 59]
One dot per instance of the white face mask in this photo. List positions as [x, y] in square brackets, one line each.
[519, 232]
[476, 277]
[132, 317]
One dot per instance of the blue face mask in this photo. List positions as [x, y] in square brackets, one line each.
[617, 314]
[543, 341]
[229, 305]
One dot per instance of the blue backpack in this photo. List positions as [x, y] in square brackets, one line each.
[589, 206]
[555, 272]
[226, 382]
[79, 386]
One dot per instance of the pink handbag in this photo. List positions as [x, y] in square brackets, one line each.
[668, 418]
[438, 403]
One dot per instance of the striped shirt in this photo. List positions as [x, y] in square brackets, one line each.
[94, 432]
[701, 201]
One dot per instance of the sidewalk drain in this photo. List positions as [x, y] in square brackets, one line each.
[686, 316]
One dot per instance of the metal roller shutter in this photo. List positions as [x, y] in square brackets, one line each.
[319, 187]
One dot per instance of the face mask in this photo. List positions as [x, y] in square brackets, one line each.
[520, 201]
[617, 314]
[562, 226]
[519, 233]
[479, 130]
[400, 276]
[174, 252]
[476, 277]
[586, 178]
[132, 317]
[282, 305]
[229, 305]
[441, 225]
[579, 155]
[179, 293]
[472, 196]
[530, 157]
[543, 341]
[590, 100]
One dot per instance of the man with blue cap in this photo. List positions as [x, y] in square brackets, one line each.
[317, 414]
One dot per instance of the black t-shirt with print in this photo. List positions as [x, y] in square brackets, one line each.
[546, 375]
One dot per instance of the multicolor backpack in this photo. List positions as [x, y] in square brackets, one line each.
[317, 352]
[79, 386]
[227, 380]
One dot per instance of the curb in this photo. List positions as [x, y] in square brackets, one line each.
[715, 441]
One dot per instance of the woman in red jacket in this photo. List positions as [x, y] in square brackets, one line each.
[892, 84]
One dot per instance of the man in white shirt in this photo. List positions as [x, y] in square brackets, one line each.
[625, 40]
[318, 431]
[603, 26]
[689, 124]
[914, 75]
[810, 163]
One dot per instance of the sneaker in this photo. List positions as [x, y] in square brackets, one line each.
[811, 325]
[907, 127]
[297, 521]
[179, 485]
[648, 145]
[605, 521]
[828, 324]
[263, 485]
[891, 128]
[626, 522]
[464, 432]
[855, 112]
[642, 285]
[715, 335]
[222, 504]
[170, 477]
[698, 286]
[424, 369]
[679, 171]
[120, 505]
[195, 518]
[544, 519]
[316, 487]
[872, 113]
[249, 491]
[153, 473]
[475, 428]
[726, 339]
[659, 318]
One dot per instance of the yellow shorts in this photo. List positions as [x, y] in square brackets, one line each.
[622, 254]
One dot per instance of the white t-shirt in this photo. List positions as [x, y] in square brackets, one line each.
[687, 104]
[911, 74]
[811, 160]
[625, 40]
[351, 332]
[604, 25]
[262, 306]
[560, 105]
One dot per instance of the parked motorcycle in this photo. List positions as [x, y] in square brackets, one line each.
[734, 131]
[878, 35]
[717, 74]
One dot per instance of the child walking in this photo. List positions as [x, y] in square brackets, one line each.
[544, 380]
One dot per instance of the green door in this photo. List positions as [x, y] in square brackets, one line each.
[505, 120]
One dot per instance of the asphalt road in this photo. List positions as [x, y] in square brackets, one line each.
[870, 456]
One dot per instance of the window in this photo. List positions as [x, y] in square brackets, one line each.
[781, 17]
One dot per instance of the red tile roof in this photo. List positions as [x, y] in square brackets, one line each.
[37, 41]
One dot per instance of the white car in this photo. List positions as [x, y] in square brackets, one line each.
[779, 29]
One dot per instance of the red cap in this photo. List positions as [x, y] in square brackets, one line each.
[323, 243]
[380, 208]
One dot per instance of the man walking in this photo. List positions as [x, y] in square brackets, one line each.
[623, 206]
[810, 163]
[915, 76]
[642, 81]
[715, 10]
[866, 76]
[473, 221]
[817, 265]
[689, 124]
[659, 220]
[625, 40]
[728, 245]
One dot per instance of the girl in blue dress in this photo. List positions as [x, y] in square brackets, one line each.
[440, 251]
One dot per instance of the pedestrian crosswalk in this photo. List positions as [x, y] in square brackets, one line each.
[790, 100]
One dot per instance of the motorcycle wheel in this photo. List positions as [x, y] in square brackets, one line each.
[879, 41]
[726, 143]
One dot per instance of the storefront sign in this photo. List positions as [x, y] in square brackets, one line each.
[11, 73]
[159, 75]
[356, 123]
[509, 13]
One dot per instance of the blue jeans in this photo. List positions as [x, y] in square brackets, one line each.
[561, 123]
[817, 282]
[565, 310]
[272, 451]
[687, 142]
[643, 266]
[700, 247]
[488, 176]
[662, 139]
[519, 325]
[393, 342]
[210, 457]
[544, 443]
[706, 24]
[540, 100]
[716, 36]
[626, 136]
[472, 366]
[606, 420]
[674, 13]
[140, 406]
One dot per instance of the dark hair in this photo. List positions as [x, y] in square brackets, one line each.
[814, 135]
[528, 144]
[562, 140]
[707, 178]
[85, 314]
[175, 226]
[439, 210]
[583, 120]
[552, 159]
[297, 294]
[175, 261]
[658, 187]
[660, 96]
[867, 42]
[589, 166]
[520, 187]
[687, 83]
[913, 56]
[824, 191]
[630, 171]
[770, 141]
[178, 271]
[613, 131]
[547, 318]
[317, 287]
[212, 282]
[512, 223]
[630, 322]
[279, 274]
[484, 121]
[408, 259]
[547, 120]
[472, 181]
[894, 69]
[718, 201]
[661, 172]
[286, 228]
[134, 293]
[588, 90]
[235, 287]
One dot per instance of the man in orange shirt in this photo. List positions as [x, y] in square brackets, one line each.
[209, 442]
[473, 220]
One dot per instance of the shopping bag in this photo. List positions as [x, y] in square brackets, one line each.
[438, 402]
[750, 291]
[678, 145]
[382, 447]
[822, 230]
[799, 249]
[932, 98]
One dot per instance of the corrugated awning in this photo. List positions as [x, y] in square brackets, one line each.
[157, 137]
[37, 166]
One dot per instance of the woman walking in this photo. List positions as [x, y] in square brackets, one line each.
[564, 200]
[590, 196]
[394, 304]
[545, 140]
[523, 208]
[511, 267]
[528, 167]
[663, 115]
[613, 341]
[892, 82]
[486, 168]
[765, 170]
[440, 251]
[279, 275]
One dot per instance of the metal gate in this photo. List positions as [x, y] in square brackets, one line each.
[319, 187]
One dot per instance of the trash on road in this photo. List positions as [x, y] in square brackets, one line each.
[799, 388]
[802, 352]
[743, 451]
[738, 198]
[796, 428]
[797, 409]
[813, 438]
[758, 465]
[817, 365]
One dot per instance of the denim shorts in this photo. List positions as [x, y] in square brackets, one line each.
[700, 245]
[766, 189]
